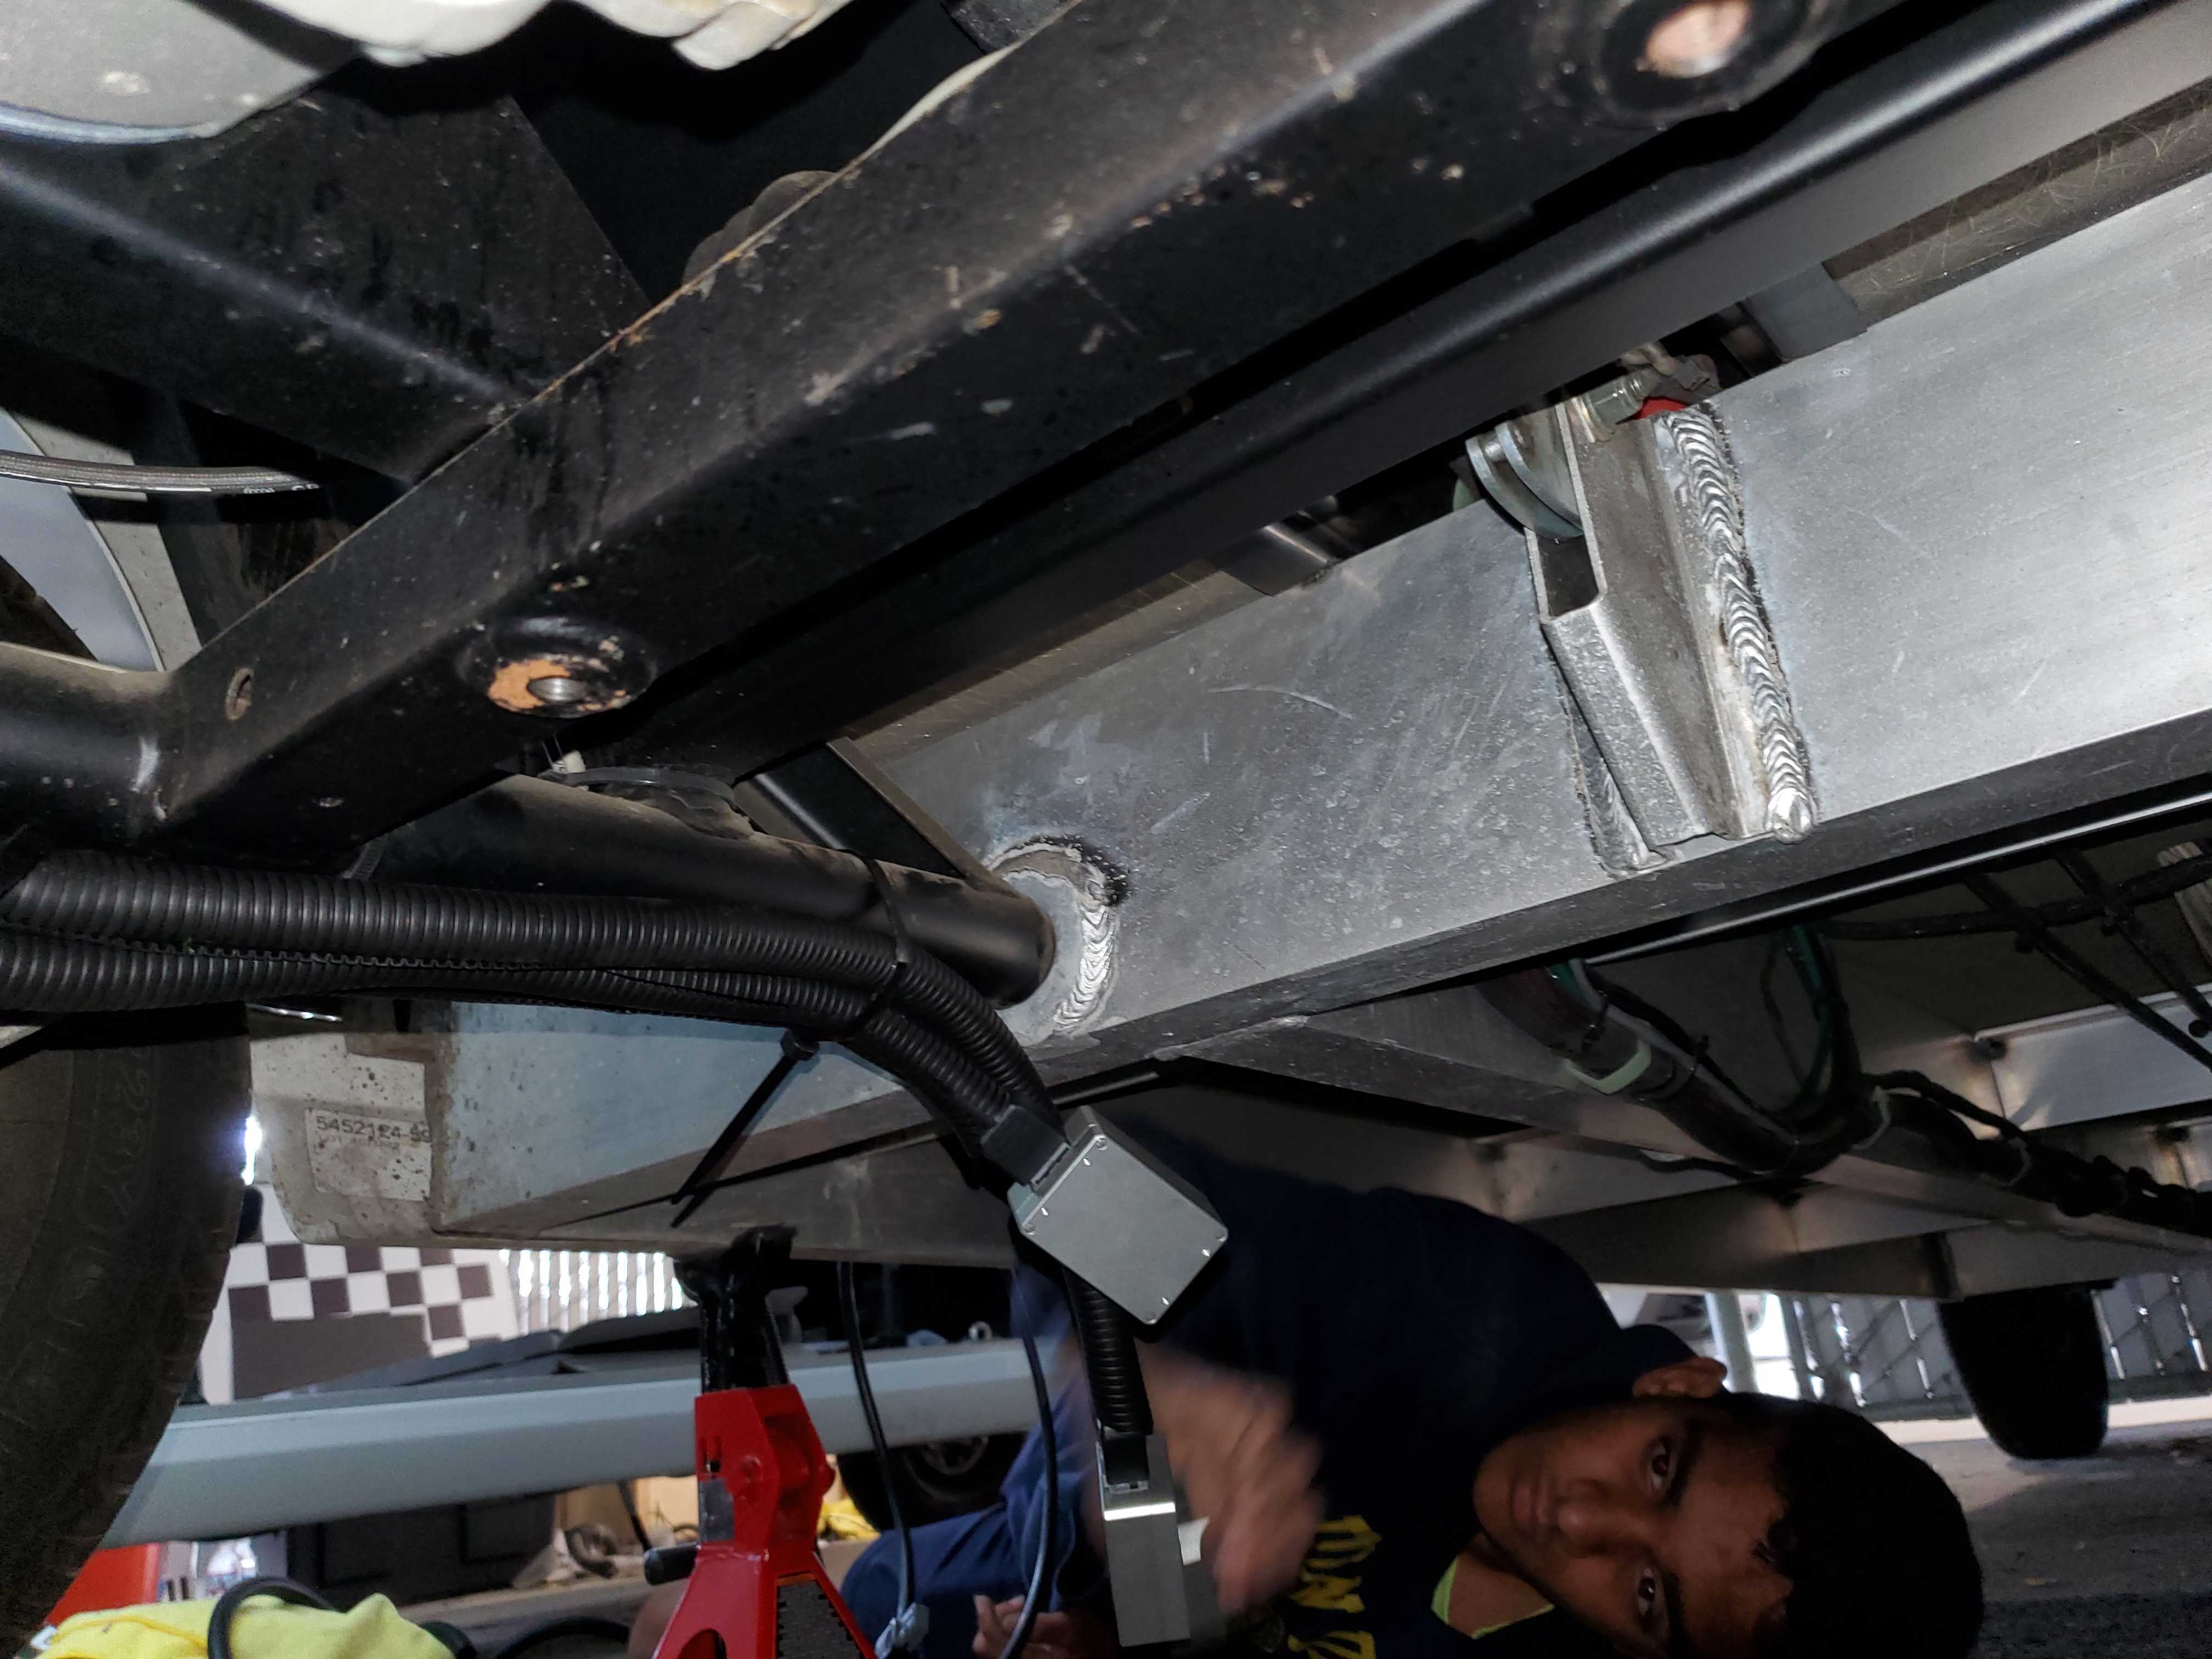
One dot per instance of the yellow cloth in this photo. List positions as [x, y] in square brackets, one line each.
[842, 1518]
[1440, 1605]
[263, 1629]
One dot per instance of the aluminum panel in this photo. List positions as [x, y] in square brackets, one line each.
[1990, 599]
[2092, 1063]
[1981, 527]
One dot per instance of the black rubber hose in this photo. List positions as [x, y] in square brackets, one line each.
[1598, 1048]
[1602, 1046]
[1110, 1359]
[44, 976]
[97, 895]
[92, 894]
[227, 1604]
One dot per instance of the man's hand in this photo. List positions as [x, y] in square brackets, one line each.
[1055, 1635]
[1246, 1469]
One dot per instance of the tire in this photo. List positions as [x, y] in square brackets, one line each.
[119, 1193]
[2033, 1365]
[936, 1482]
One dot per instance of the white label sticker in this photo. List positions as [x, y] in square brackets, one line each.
[365, 1155]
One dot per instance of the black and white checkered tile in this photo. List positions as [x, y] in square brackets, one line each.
[463, 1296]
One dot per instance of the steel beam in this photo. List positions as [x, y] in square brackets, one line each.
[1986, 600]
[381, 287]
[1451, 1049]
[225, 1471]
[976, 301]
[1914, 111]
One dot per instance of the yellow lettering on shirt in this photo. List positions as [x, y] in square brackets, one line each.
[1327, 1592]
[1341, 1542]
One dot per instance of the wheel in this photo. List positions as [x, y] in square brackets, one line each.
[120, 1193]
[2033, 1365]
[937, 1481]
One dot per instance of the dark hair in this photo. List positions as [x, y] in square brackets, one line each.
[1874, 1544]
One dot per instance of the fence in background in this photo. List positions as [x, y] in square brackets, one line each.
[1887, 1355]
[560, 1290]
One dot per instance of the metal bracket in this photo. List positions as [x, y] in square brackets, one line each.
[1163, 1590]
[1109, 1211]
[1654, 619]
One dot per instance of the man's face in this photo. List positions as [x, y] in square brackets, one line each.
[1643, 1520]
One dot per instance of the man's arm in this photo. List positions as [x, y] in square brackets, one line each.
[1244, 1467]
[1357, 1301]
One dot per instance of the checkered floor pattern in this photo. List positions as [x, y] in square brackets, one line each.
[463, 1295]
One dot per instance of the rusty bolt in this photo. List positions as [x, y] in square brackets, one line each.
[561, 667]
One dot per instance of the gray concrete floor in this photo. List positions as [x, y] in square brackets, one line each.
[2111, 1554]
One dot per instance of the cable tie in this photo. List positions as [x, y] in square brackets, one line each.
[902, 952]
[796, 1047]
[1613, 1082]
[1883, 1118]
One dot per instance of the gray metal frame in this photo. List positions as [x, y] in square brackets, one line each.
[1980, 599]
[226, 1471]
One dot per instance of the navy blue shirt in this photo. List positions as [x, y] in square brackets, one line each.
[1414, 1335]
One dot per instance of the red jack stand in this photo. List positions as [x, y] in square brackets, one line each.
[756, 1589]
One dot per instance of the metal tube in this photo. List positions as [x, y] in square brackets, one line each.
[221, 1471]
[1725, 1312]
[79, 746]
[205, 270]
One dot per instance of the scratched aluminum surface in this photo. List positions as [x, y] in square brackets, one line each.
[1336, 774]
[1989, 570]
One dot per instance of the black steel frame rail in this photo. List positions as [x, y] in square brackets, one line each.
[1899, 129]
[379, 286]
[768, 476]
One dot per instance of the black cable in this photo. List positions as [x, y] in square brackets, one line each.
[2164, 882]
[89, 932]
[2075, 1185]
[101, 898]
[1041, 1571]
[57, 976]
[699, 1184]
[555, 1630]
[2035, 934]
[1695, 1050]
[798, 1047]
[227, 1604]
[848, 1304]
[627, 1491]
[1110, 1359]
[1775, 947]
[2122, 918]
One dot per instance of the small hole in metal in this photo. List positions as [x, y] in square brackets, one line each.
[1697, 40]
[240, 696]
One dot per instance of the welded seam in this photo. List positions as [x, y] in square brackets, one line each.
[1701, 474]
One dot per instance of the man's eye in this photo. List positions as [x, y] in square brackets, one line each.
[1662, 1461]
[1647, 1597]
